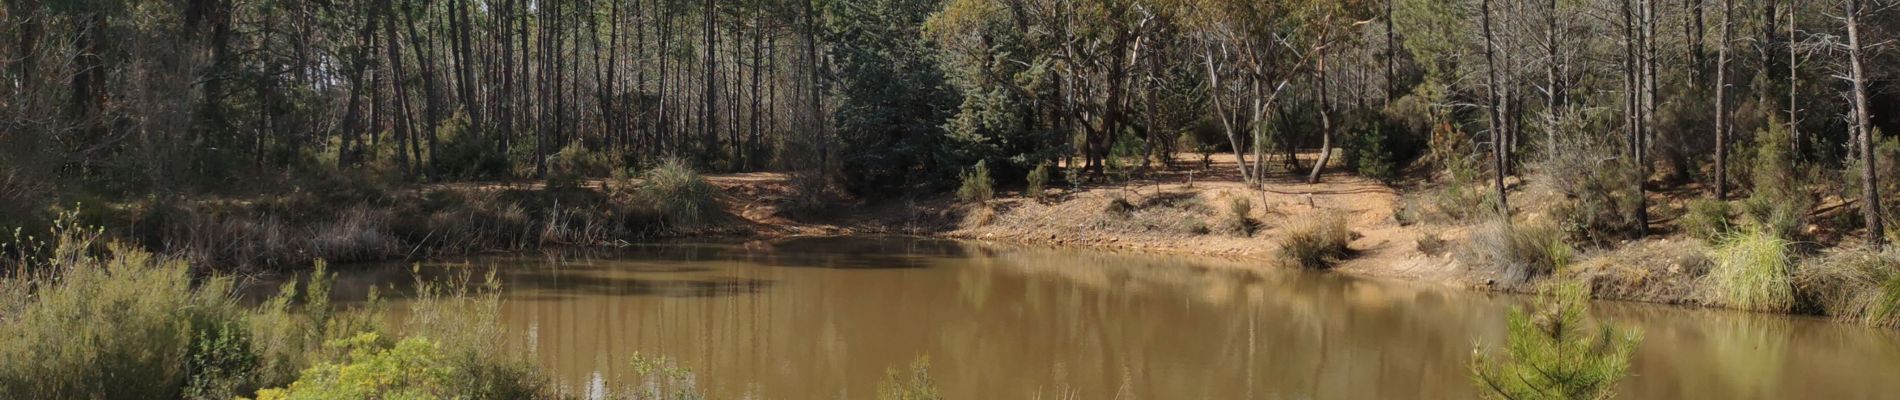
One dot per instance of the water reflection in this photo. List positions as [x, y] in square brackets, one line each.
[823, 318]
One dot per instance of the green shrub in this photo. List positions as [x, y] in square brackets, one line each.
[976, 185]
[1037, 180]
[1317, 242]
[576, 162]
[1518, 253]
[1887, 157]
[1706, 219]
[467, 154]
[122, 323]
[463, 317]
[912, 384]
[1238, 218]
[1553, 353]
[1752, 271]
[681, 197]
[373, 368]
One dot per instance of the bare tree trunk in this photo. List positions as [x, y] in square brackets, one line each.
[710, 115]
[1721, 102]
[1226, 121]
[1497, 117]
[1863, 126]
[1325, 120]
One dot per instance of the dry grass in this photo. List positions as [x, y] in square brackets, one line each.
[1661, 271]
[1518, 253]
[1317, 242]
[1852, 284]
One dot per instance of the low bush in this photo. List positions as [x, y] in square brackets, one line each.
[576, 162]
[1852, 284]
[1317, 242]
[1554, 353]
[1037, 180]
[1237, 219]
[1706, 219]
[373, 368]
[977, 185]
[678, 194]
[121, 323]
[1752, 272]
[1518, 253]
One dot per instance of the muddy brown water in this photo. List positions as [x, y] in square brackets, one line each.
[824, 318]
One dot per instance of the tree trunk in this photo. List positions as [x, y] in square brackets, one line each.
[1721, 103]
[1863, 126]
[1497, 116]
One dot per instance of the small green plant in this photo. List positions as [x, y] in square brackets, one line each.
[1037, 180]
[1518, 253]
[1752, 271]
[977, 186]
[1317, 242]
[1706, 219]
[1554, 353]
[912, 384]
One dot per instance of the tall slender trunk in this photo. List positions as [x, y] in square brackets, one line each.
[710, 114]
[1497, 116]
[1863, 126]
[1721, 102]
[1325, 119]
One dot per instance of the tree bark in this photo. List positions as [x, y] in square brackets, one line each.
[1863, 126]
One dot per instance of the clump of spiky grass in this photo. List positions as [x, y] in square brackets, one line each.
[913, 383]
[1037, 180]
[678, 193]
[1854, 284]
[1706, 219]
[1520, 252]
[1752, 272]
[1317, 242]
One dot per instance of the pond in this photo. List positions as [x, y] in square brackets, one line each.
[824, 318]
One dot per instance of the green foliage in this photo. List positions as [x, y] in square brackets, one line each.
[1753, 271]
[976, 187]
[678, 194]
[575, 162]
[1554, 353]
[1780, 202]
[372, 367]
[1707, 219]
[1037, 180]
[912, 384]
[465, 153]
[118, 323]
[1316, 242]
[1381, 146]
[463, 316]
[895, 99]
[1887, 162]
[1518, 252]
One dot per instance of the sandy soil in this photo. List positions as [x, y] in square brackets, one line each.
[1174, 212]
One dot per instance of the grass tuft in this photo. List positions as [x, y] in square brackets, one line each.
[1518, 253]
[1752, 272]
[1316, 243]
[678, 193]
[977, 186]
